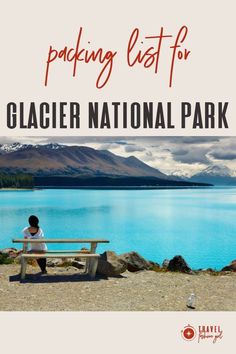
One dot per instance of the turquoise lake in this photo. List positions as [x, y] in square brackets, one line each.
[199, 224]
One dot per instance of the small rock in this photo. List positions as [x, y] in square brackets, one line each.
[109, 264]
[154, 265]
[54, 262]
[77, 264]
[84, 250]
[165, 263]
[10, 252]
[7, 250]
[178, 264]
[231, 267]
[210, 270]
[135, 262]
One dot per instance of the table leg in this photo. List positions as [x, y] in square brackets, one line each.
[93, 268]
[86, 266]
[23, 268]
[91, 260]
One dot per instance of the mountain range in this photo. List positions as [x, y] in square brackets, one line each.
[64, 160]
[52, 163]
[217, 175]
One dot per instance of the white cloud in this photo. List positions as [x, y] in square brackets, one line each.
[178, 155]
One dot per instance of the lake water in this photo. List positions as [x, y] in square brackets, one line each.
[199, 224]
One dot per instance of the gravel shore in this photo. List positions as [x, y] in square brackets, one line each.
[65, 289]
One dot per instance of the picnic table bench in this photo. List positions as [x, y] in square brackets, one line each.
[90, 256]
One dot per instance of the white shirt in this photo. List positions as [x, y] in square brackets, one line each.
[38, 235]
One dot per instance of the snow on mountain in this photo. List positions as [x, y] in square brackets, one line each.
[216, 170]
[215, 174]
[8, 148]
[51, 146]
[57, 159]
[5, 148]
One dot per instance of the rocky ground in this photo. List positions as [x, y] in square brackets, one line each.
[67, 289]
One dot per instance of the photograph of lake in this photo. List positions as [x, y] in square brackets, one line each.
[198, 224]
[147, 221]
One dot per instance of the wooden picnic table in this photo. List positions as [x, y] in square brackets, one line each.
[90, 256]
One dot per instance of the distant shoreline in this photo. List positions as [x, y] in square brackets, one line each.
[122, 187]
[106, 187]
[17, 189]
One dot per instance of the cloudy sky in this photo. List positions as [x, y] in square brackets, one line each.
[171, 155]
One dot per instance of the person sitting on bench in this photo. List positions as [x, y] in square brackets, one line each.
[35, 232]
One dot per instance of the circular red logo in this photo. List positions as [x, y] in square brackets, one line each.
[188, 333]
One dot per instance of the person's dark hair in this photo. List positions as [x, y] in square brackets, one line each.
[34, 221]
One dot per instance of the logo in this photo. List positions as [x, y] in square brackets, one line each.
[188, 333]
[211, 333]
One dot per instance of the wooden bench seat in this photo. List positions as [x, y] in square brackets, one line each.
[91, 266]
[64, 254]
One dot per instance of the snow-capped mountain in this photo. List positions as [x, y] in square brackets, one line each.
[77, 164]
[58, 159]
[8, 148]
[216, 170]
[215, 174]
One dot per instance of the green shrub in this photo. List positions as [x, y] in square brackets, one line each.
[4, 259]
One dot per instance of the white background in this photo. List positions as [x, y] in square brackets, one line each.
[27, 30]
[112, 332]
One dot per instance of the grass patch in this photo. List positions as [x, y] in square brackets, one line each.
[157, 269]
[4, 259]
